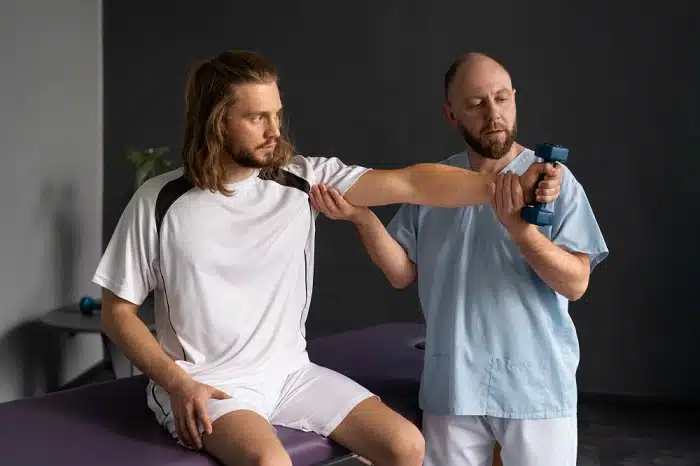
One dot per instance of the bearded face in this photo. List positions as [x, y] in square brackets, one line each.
[492, 140]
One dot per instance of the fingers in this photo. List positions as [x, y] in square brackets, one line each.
[182, 426]
[312, 198]
[517, 197]
[218, 394]
[507, 193]
[550, 187]
[333, 199]
[203, 416]
[339, 200]
[547, 193]
[547, 196]
[203, 412]
[330, 202]
[500, 195]
[194, 413]
[553, 170]
[191, 427]
[508, 201]
[319, 201]
[179, 423]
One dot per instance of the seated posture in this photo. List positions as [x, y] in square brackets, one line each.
[501, 350]
[226, 244]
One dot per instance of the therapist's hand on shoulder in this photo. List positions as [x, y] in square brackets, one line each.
[334, 206]
[188, 400]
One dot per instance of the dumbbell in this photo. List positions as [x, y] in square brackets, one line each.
[538, 213]
[88, 305]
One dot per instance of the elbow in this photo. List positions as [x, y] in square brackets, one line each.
[577, 289]
[400, 283]
[403, 279]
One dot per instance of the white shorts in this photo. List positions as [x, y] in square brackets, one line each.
[311, 398]
[469, 441]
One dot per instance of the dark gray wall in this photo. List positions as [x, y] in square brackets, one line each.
[363, 81]
[50, 186]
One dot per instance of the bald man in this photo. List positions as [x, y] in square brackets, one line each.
[501, 351]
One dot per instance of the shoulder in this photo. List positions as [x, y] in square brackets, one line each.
[153, 187]
[330, 170]
[301, 166]
[165, 187]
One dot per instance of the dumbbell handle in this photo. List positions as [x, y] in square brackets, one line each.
[537, 213]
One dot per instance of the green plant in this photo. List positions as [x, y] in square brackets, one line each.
[148, 163]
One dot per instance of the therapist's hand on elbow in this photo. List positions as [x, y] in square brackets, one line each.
[332, 204]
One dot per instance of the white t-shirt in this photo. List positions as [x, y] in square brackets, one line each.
[232, 276]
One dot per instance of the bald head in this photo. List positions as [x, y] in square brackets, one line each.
[473, 71]
[481, 104]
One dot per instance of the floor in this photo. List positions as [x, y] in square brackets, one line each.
[629, 433]
[617, 432]
[626, 433]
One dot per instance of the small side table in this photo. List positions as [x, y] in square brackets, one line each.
[71, 320]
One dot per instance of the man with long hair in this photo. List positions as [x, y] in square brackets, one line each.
[501, 351]
[226, 243]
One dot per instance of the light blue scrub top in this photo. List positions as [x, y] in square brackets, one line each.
[499, 341]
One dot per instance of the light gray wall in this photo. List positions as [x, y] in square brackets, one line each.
[50, 184]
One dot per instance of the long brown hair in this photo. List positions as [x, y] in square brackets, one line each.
[209, 95]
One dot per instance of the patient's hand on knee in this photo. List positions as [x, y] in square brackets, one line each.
[330, 202]
[188, 401]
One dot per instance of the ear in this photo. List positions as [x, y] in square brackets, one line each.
[449, 114]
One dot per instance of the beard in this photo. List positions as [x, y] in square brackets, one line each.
[490, 149]
[247, 159]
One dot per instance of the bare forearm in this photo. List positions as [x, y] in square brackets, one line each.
[446, 186]
[385, 251]
[564, 272]
[135, 340]
[425, 184]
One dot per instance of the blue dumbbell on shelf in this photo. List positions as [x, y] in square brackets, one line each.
[88, 305]
[539, 214]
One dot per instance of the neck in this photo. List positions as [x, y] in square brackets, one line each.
[483, 164]
[235, 172]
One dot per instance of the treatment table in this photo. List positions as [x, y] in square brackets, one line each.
[110, 424]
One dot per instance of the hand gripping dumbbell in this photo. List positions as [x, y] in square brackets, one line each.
[539, 214]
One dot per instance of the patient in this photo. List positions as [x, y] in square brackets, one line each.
[227, 245]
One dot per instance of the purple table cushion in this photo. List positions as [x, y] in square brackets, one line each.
[110, 424]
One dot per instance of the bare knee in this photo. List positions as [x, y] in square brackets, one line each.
[408, 446]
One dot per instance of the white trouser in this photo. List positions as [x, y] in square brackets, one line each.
[469, 441]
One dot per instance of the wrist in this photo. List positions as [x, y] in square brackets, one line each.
[523, 232]
[176, 380]
[362, 217]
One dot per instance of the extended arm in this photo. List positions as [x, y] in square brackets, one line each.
[444, 186]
